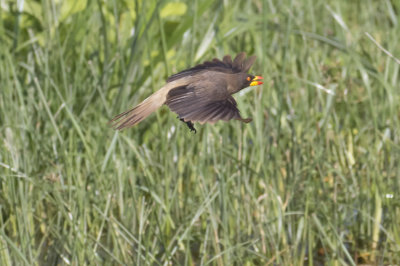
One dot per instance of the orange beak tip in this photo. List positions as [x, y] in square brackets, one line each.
[255, 83]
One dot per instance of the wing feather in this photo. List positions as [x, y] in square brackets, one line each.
[192, 107]
[239, 64]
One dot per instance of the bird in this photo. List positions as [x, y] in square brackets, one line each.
[202, 93]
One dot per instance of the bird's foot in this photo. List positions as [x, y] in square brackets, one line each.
[189, 124]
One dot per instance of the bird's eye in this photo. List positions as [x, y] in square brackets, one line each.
[248, 78]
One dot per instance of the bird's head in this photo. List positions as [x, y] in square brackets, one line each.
[250, 80]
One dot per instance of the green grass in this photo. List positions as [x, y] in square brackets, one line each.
[312, 180]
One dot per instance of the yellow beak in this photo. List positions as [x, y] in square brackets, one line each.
[256, 81]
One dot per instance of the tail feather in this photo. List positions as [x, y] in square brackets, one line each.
[144, 109]
[138, 113]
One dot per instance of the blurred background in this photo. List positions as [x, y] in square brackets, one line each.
[312, 180]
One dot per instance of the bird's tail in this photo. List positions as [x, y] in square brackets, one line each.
[140, 112]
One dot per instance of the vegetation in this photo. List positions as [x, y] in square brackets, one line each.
[312, 180]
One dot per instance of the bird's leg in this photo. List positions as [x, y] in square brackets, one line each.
[189, 124]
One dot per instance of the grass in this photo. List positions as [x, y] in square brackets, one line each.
[312, 180]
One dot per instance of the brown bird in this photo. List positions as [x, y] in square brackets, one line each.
[199, 94]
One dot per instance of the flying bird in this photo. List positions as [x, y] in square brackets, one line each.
[201, 94]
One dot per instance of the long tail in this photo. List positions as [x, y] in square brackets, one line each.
[140, 112]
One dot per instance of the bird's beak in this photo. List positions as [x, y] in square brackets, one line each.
[256, 81]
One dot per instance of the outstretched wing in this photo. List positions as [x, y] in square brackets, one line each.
[239, 64]
[192, 107]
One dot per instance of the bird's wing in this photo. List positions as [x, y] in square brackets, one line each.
[191, 107]
[239, 64]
